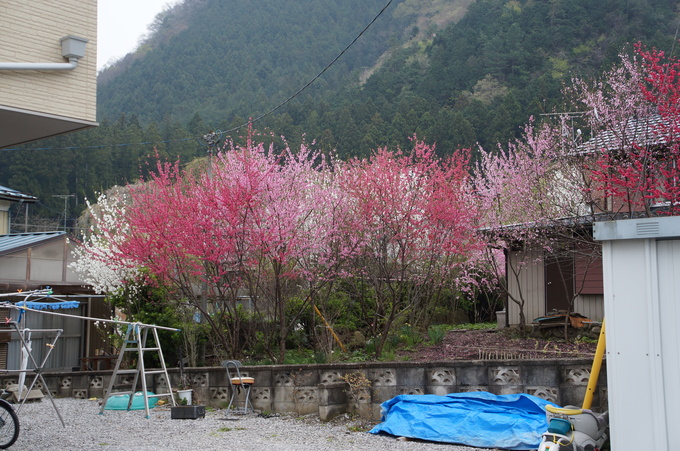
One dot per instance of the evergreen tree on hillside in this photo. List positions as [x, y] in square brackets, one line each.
[211, 65]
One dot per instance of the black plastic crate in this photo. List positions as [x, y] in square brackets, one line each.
[187, 412]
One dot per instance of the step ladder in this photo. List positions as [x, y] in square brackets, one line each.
[136, 341]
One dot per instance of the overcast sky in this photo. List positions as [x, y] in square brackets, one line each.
[120, 25]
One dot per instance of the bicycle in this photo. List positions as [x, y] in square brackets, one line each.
[9, 425]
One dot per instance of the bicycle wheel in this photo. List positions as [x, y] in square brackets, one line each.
[9, 425]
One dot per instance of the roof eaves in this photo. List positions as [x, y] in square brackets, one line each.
[15, 196]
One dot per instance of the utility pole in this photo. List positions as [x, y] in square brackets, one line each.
[211, 140]
[65, 197]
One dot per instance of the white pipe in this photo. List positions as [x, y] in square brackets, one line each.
[72, 64]
[48, 312]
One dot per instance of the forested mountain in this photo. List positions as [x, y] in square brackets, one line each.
[240, 57]
[455, 72]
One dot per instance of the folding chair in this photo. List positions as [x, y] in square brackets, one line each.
[237, 382]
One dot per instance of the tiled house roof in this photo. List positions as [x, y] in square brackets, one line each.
[649, 131]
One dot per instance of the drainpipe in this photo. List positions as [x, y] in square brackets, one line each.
[72, 64]
[72, 48]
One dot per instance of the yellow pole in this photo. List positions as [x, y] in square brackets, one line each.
[318, 312]
[595, 370]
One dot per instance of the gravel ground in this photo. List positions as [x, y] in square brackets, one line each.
[130, 430]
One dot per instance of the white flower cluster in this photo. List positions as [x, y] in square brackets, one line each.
[94, 257]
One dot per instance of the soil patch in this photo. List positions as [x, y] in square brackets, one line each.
[496, 344]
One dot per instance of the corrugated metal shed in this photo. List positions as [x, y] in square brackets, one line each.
[19, 241]
[642, 305]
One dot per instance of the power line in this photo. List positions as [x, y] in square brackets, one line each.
[262, 116]
[48, 208]
[299, 91]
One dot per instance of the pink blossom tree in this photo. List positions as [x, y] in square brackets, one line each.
[293, 228]
[632, 113]
[414, 221]
[540, 195]
[530, 193]
[273, 229]
[258, 229]
[511, 185]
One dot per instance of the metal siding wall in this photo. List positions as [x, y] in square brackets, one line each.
[532, 283]
[13, 353]
[669, 298]
[634, 367]
[590, 305]
[67, 351]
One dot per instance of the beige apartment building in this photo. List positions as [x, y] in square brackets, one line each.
[48, 87]
[48, 68]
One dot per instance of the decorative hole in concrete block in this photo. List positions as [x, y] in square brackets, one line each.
[161, 382]
[306, 395]
[201, 379]
[80, 394]
[442, 377]
[505, 375]
[331, 377]
[97, 382]
[383, 377]
[221, 394]
[360, 396]
[65, 382]
[260, 394]
[548, 393]
[577, 376]
[284, 379]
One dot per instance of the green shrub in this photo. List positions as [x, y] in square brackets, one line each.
[436, 333]
[410, 336]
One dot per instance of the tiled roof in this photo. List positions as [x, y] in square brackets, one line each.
[14, 195]
[19, 241]
[644, 132]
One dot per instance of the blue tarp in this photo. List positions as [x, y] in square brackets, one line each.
[485, 420]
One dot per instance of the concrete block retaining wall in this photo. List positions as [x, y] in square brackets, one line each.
[320, 389]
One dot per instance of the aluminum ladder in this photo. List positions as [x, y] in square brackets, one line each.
[136, 341]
